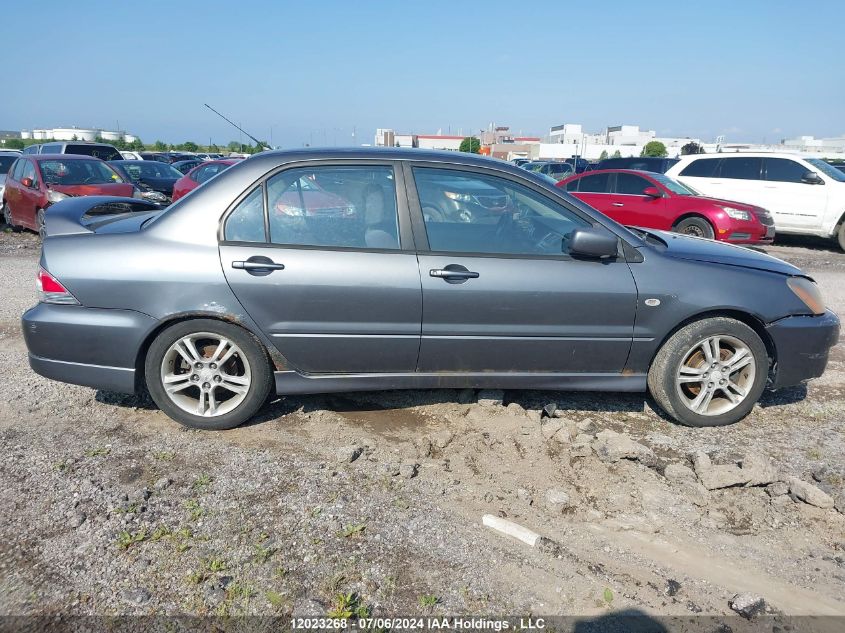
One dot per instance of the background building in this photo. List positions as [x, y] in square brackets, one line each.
[77, 133]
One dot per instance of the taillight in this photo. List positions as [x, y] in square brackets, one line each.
[50, 290]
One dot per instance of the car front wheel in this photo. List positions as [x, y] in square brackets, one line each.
[840, 235]
[697, 227]
[207, 374]
[710, 372]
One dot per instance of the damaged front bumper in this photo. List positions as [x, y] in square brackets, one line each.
[802, 345]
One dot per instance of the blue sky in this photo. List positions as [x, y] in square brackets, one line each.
[314, 71]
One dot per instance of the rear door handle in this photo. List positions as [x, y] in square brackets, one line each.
[452, 274]
[258, 265]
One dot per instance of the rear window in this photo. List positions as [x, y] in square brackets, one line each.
[6, 163]
[701, 168]
[741, 168]
[103, 152]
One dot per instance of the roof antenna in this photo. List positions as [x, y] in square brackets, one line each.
[257, 142]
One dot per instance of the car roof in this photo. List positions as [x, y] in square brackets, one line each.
[62, 157]
[636, 172]
[689, 157]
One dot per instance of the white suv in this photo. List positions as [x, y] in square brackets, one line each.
[804, 195]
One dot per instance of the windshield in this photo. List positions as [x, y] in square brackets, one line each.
[78, 172]
[674, 186]
[827, 169]
[150, 169]
[6, 162]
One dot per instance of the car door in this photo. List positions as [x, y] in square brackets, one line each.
[595, 190]
[28, 196]
[13, 185]
[330, 276]
[630, 206]
[501, 293]
[793, 203]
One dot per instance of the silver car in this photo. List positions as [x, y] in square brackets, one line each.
[324, 271]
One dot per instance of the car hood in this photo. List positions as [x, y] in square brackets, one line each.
[725, 203]
[104, 189]
[704, 250]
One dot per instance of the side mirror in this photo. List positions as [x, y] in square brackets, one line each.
[812, 178]
[27, 182]
[652, 192]
[592, 242]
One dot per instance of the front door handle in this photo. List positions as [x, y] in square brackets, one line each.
[618, 204]
[258, 265]
[453, 274]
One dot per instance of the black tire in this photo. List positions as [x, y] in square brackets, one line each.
[664, 370]
[695, 226]
[259, 388]
[840, 235]
[7, 218]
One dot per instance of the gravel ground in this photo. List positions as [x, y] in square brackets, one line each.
[373, 501]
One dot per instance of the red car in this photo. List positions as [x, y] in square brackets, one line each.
[199, 174]
[655, 201]
[36, 181]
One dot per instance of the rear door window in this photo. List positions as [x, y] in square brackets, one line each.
[103, 152]
[598, 183]
[784, 170]
[702, 168]
[741, 168]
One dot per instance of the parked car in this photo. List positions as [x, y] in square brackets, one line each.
[103, 151]
[36, 182]
[557, 170]
[154, 179]
[7, 159]
[579, 164]
[552, 295]
[184, 166]
[519, 162]
[127, 155]
[643, 163]
[655, 201]
[199, 174]
[804, 195]
[157, 156]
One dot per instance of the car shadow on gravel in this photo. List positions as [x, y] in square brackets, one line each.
[781, 397]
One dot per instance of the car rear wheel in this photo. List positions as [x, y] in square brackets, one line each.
[697, 227]
[7, 216]
[710, 373]
[40, 223]
[207, 374]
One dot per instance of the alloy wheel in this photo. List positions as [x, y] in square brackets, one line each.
[205, 374]
[716, 375]
[40, 224]
[694, 231]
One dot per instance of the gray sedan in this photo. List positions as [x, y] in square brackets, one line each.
[325, 271]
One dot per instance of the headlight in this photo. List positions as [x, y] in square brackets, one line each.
[55, 196]
[737, 214]
[808, 292]
[153, 196]
[460, 197]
